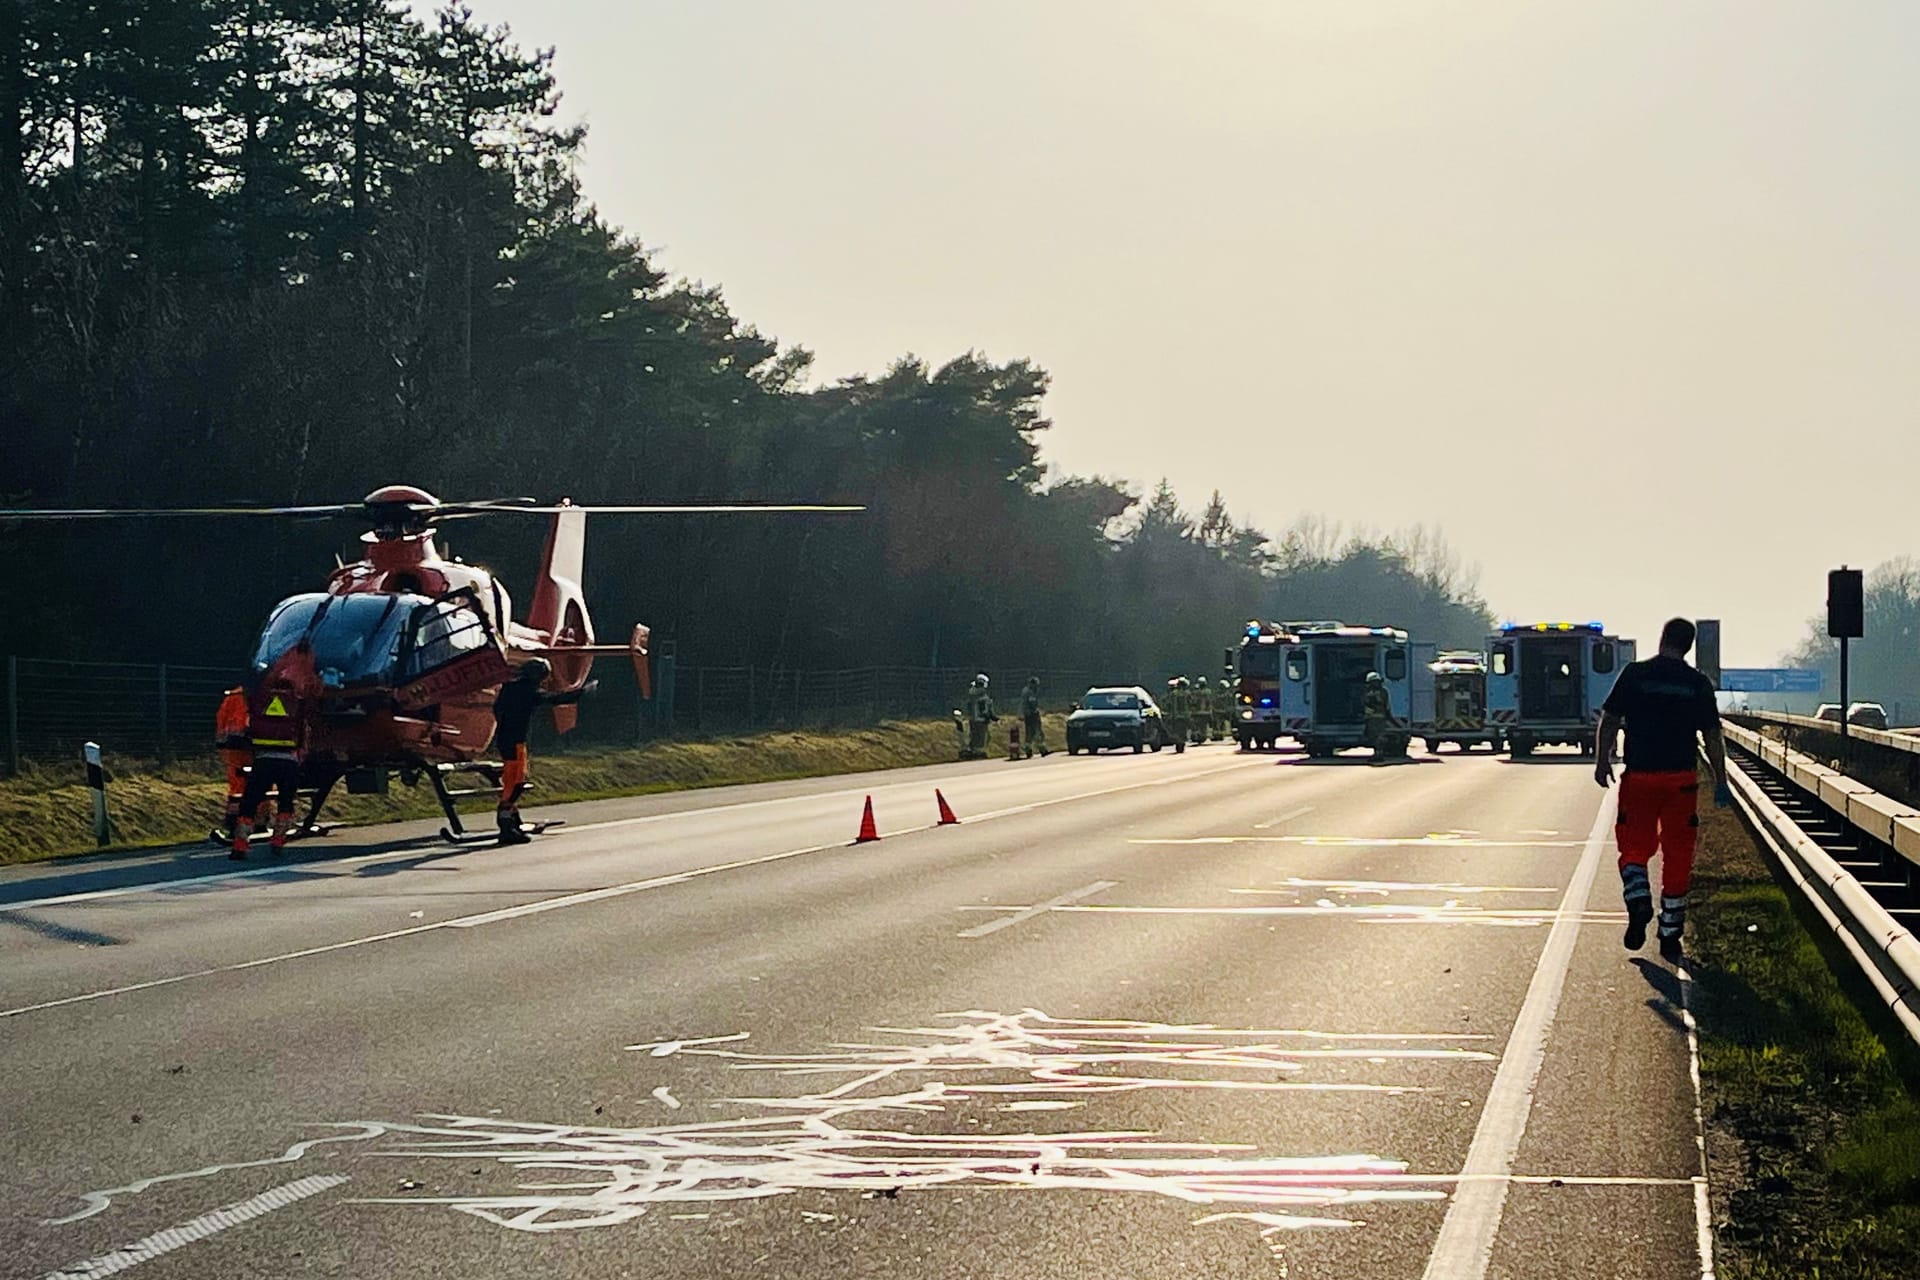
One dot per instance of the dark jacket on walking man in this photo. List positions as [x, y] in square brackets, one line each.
[1668, 708]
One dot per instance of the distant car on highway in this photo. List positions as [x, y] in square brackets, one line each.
[1828, 711]
[1868, 715]
[1115, 716]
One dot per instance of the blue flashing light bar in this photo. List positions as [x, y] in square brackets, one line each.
[1510, 628]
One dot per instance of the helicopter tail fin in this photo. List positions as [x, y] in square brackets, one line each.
[560, 609]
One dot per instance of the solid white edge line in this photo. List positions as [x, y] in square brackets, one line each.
[1037, 909]
[1702, 1197]
[207, 1224]
[565, 900]
[1464, 1247]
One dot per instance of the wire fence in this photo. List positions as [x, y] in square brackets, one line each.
[165, 712]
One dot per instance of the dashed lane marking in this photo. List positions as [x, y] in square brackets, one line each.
[1288, 816]
[163, 1242]
[1039, 908]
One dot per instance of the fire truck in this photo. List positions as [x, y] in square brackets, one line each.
[1460, 702]
[1546, 681]
[1258, 719]
[1324, 685]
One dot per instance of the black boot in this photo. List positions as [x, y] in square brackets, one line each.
[1639, 916]
[511, 832]
[1673, 923]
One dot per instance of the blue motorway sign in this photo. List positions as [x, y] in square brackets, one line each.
[1770, 680]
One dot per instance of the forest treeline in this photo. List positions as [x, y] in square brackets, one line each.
[289, 250]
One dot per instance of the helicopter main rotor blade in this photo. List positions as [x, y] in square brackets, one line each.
[655, 509]
[158, 513]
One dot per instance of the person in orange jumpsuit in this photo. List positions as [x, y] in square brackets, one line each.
[1666, 705]
[230, 737]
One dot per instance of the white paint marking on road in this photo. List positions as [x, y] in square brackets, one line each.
[1288, 816]
[1039, 908]
[1381, 888]
[1465, 1245]
[1702, 1199]
[200, 1228]
[667, 1048]
[564, 900]
[1442, 841]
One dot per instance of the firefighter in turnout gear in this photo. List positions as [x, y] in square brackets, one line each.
[1376, 710]
[978, 713]
[1175, 712]
[1223, 708]
[513, 710]
[280, 711]
[1031, 726]
[1200, 711]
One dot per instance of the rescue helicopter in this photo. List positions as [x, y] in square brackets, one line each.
[410, 647]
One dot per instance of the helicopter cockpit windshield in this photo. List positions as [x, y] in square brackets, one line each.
[356, 639]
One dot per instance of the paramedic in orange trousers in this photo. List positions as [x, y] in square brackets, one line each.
[1664, 703]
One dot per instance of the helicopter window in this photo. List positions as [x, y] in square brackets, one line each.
[285, 626]
[355, 638]
[443, 631]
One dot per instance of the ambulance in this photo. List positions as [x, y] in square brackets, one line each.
[1325, 684]
[1460, 703]
[1257, 685]
[1546, 681]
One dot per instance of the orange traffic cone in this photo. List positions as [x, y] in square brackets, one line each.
[868, 832]
[947, 818]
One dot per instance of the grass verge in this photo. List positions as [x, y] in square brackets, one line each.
[1814, 1127]
[47, 812]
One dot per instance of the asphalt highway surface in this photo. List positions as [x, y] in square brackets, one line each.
[1214, 1014]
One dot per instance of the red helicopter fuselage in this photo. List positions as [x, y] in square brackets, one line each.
[411, 647]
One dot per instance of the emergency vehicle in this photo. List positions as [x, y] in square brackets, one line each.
[1258, 719]
[1324, 685]
[1460, 702]
[1546, 681]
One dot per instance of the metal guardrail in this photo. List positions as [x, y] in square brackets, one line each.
[1875, 737]
[1827, 830]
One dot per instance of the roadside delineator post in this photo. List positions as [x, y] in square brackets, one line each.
[947, 817]
[97, 784]
[868, 831]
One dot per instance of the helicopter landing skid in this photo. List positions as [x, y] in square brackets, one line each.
[224, 838]
[493, 837]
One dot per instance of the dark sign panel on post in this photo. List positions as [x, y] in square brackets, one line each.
[1846, 604]
[1706, 649]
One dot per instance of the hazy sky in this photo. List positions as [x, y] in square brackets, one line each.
[1625, 297]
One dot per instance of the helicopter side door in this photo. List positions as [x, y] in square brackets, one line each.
[449, 654]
